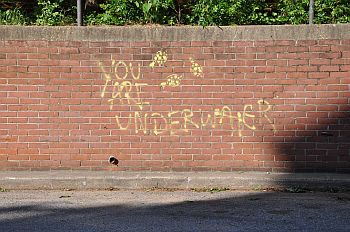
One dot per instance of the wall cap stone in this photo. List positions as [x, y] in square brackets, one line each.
[181, 33]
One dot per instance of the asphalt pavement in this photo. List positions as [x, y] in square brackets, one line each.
[166, 210]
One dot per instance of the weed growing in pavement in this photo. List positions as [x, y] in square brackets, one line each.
[2, 190]
[211, 190]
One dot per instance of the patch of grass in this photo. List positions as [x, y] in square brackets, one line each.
[155, 188]
[112, 189]
[296, 190]
[216, 190]
[258, 188]
[2, 190]
[299, 189]
[211, 190]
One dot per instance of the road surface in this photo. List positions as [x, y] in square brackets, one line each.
[157, 210]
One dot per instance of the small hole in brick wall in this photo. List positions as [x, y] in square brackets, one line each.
[113, 160]
[326, 133]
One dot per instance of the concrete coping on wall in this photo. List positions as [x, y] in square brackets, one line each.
[181, 33]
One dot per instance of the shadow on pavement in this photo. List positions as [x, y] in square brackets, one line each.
[225, 211]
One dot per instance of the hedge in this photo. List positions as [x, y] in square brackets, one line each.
[173, 12]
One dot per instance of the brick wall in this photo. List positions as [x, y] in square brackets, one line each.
[175, 99]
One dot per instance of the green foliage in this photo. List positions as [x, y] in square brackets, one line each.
[157, 11]
[174, 12]
[215, 12]
[237, 12]
[52, 13]
[12, 17]
[293, 11]
[336, 11]
[326, 11]
[122, 12]
[116, 12]
[262, 12]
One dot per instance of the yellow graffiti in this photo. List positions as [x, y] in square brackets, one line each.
[139, 124]
[196, 69]
[247, 115]
[120, 125]
[121, 88]
[226, 113]
[121, 70]
[173, 80]
[172, 123]
[127, 91]
[157, 130]
[187, 116]
[160, 58]
[264, 112]
[177, 122]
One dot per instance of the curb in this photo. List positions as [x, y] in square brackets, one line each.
[98, 180]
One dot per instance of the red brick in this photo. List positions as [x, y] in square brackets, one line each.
[56, 111]
[224, 43]
[201, 43]
[17, 157]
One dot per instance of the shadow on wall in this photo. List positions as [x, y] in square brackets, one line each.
[322, 147]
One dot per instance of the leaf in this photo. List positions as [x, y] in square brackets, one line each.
[146, 7]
